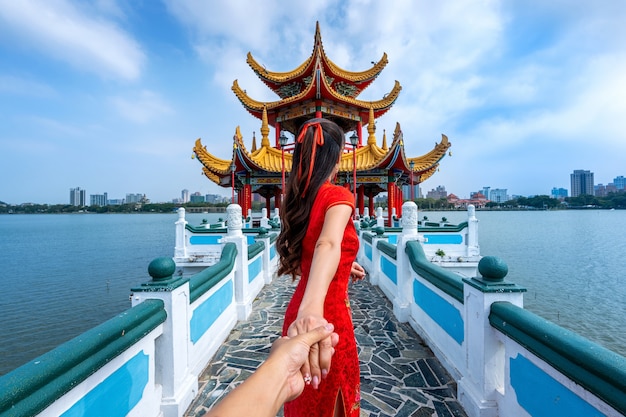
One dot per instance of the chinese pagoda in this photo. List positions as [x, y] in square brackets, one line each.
[320, 88]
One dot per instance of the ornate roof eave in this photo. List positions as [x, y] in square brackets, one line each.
[272, 78]
[432, 158]
[256, 107]
[380, 107]
[211, 163]
[363, 78]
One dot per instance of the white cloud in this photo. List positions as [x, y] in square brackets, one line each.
[144, 106]
[60, 29]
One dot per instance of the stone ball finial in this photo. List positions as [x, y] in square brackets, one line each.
[161, 268]
[378, 230]
[492, 268]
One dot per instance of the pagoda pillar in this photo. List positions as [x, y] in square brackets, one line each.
[268, 203]
[400, 198]
[391, 197]
[359, 128]
[277, 129]
[247, 195]
[361, 199]
[278, 198]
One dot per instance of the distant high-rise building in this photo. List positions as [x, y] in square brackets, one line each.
[486, 191]
[78, 197]
[184, 196]
[620, 183]
[558, 193]
[98, 200]
[498, 195]
[134, 198]
[197, 198]
[581, 182]
[437, 193]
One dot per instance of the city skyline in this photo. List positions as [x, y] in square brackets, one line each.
[618, 182]
[114, 94]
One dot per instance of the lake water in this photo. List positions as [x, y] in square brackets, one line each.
[64, 274]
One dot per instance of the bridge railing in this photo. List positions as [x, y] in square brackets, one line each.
[507, 361]
[146, 361]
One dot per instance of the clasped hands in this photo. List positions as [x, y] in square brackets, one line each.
[316, 368]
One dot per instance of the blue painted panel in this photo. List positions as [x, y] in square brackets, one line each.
[393, 239]
[206, 313]
[272, 251]
[389, 269]
[443, 239]
[367, 248]
[255, 268]
[440, 310]
[205, 240]
[250, 239]
[117, 394]
[543, 396]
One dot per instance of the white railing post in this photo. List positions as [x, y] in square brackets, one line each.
[268, 269]
[264, 218]
[172, 368]
[380, 220]
[180, 250]
[402, 301]
[473, 249]
[243, 300]
[478, 390]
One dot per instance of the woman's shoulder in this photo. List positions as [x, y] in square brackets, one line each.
[334, 194]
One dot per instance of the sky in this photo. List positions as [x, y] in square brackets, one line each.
[110, 95]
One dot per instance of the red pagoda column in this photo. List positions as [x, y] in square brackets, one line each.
[278, 198]
[277, 129]
[400, 197]
[391, 197]
[247, 196]
[359, 128]
[361, 199]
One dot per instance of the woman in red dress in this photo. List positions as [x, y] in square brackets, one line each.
[318, 243]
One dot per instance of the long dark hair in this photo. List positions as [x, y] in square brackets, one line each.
[313, 163]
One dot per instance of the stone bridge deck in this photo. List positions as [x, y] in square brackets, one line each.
[400, 376]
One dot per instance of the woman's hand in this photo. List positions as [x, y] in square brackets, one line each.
[292, 353]
[316, 368]
[357, 273]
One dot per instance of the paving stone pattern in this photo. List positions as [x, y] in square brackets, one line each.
[400, 376]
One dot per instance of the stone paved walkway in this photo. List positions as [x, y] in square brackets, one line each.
[399, 374]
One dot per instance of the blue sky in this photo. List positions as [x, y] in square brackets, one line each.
[110, 96]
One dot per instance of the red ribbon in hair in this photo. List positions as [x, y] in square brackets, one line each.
[318, 139]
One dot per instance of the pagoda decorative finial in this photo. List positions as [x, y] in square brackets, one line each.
[265, 129]
[371, 128]
[253, 142]
[385, 140]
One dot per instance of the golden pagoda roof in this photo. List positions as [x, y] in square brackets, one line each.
[318, 78]
[369, 157]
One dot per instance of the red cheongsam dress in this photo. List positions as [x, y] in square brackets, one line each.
[344, 376]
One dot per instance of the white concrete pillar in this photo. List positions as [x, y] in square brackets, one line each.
[484, 376]
[380, 220]
[264, 218]
[172, 368]
[180, 249]
[402, 301]
[473, 249]
[243, 300]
